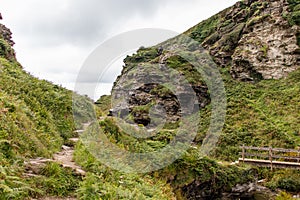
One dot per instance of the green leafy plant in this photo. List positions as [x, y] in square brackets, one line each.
[55, 180]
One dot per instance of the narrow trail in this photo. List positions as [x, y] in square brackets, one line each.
[64, 158]
[34, 166]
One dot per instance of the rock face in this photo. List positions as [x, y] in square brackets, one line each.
[249, 191]
[6, 34]
[6, 42]
[268, 49]
[255, 38]
[244, 191]
[145, 101]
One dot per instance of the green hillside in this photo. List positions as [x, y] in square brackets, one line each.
[29, 128]
[262, 109]
[260, 112]
[36, 119]
[263, 106]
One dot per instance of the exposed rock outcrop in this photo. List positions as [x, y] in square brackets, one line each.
[151, 98]
[268, 49]
[245, 191]
[6, 42]
[151, 93]
[6, 34]
[256, 39]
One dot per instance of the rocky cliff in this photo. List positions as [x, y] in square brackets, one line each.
[254, 39]
[258, 39]
[6, 42]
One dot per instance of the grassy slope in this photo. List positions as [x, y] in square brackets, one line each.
[35, 119]
[262, 114]
[30, 125]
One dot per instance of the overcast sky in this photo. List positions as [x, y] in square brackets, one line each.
[54, 37]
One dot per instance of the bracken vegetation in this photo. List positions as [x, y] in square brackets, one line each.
[36, 119]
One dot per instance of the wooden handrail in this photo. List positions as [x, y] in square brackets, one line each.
[270, 155]
[273, 149]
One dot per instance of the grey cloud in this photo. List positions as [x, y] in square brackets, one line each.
[83, 22]
[89, 76]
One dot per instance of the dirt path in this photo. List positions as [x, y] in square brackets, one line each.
[64, 157]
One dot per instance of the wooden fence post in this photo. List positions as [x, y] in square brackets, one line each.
[270, 157]
[243, 153]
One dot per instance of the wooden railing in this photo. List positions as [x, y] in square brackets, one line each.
[271, 157]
